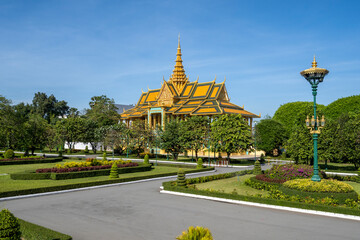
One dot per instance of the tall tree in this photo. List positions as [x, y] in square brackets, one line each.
[70, 130]
[103, 111]
[36, 129]
[140, 136]
[171, 138]
[232, 132]
[116, 136]
[195, 130]
[300, 145]
[49, 107]
[269, 135]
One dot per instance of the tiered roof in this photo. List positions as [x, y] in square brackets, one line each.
[179, 96]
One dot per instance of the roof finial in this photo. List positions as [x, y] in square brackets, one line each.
[179, 41]
[314, 63]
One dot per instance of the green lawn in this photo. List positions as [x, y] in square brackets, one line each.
[27, 167]
[8, 184]
[230, 185]
[356, 186]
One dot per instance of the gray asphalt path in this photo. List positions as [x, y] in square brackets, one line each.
[138, 211]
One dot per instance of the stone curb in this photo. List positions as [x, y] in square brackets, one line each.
[94, 187]
[290, 209]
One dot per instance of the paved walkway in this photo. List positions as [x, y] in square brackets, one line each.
[138, 211]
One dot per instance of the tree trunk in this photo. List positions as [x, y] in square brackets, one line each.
[228, 156]
[196, 154]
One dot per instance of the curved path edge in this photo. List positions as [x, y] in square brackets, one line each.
[298, 210]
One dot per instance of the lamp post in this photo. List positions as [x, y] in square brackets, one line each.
[255, 122]
[315, 76]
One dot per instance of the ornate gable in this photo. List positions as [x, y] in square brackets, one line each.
[165, 97]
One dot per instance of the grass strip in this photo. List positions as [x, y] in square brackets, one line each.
[31, 231]
[342, 210]
[31, 161]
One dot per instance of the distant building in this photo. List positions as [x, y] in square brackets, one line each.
[180, 98]
[122, 107]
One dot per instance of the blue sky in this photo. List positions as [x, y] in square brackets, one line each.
[79, 49]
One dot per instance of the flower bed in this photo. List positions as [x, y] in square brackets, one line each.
[78, 169]
[289, 171]
[307, 185]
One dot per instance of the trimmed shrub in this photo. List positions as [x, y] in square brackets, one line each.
[30, 161]
[262, 158]
[143, 154]
[146, 159]
[307, 185]
[339, 198]
[104, 156]
[199, 163]
[196, 233]
[114, 171]
[9, 154]
[257, 168]
[86, 149]
[181, 181]
[9, 226]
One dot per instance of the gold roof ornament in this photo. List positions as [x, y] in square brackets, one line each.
[178, 78]
[314, 71]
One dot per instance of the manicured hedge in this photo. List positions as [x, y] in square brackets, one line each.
[72, 175]
[169, 186]
[341, 197]
[94, 183]
[31, 161]
[30, 231]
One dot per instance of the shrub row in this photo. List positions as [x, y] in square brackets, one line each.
[170, 186]
[79, 169]
[216, 177]
[31, 161]
[325, 185]
[30, 231]
[256, 183]
[72, 175]
[264, 178]
[340, 197]
[94, 183]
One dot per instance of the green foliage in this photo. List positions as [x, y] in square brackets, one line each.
[269, 135]
[140, 136]
[195, 130]
[9, 154]
[340, 139]
[48, 107]
[146, 159]
[93, 183]
[342, 106]
[262, 158]
[9, 226]
[181, 181]
[103, 111]
[32, 231]
[104, 156]
[199, 163]
[86, 149]
[171, 138]
[307, 185]
[70, 130]
[114, 171]
[294, 113]
[232, 133]
[257, 168]
[196, 233]
[300, 145]
[31, 161]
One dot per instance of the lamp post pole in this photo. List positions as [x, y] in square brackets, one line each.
[315, 76]
[255, 122]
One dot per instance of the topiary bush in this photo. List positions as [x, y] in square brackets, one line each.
[9, 226]
[262, 158]
[257, 168]
[9, 154]
[196, 233]
[114, 171]
[86, 149]
[104, 156]
[146, 159]
[325, 185]
[199, 163]
[181, 180]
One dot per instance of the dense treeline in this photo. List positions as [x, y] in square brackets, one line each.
[339, 140]
[49, 123]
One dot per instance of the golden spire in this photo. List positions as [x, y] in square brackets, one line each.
[314, 63]
[178, 78]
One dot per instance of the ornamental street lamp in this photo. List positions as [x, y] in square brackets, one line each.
[315, 76]
[255, 122]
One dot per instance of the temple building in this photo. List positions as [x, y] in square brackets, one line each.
[180, 98]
